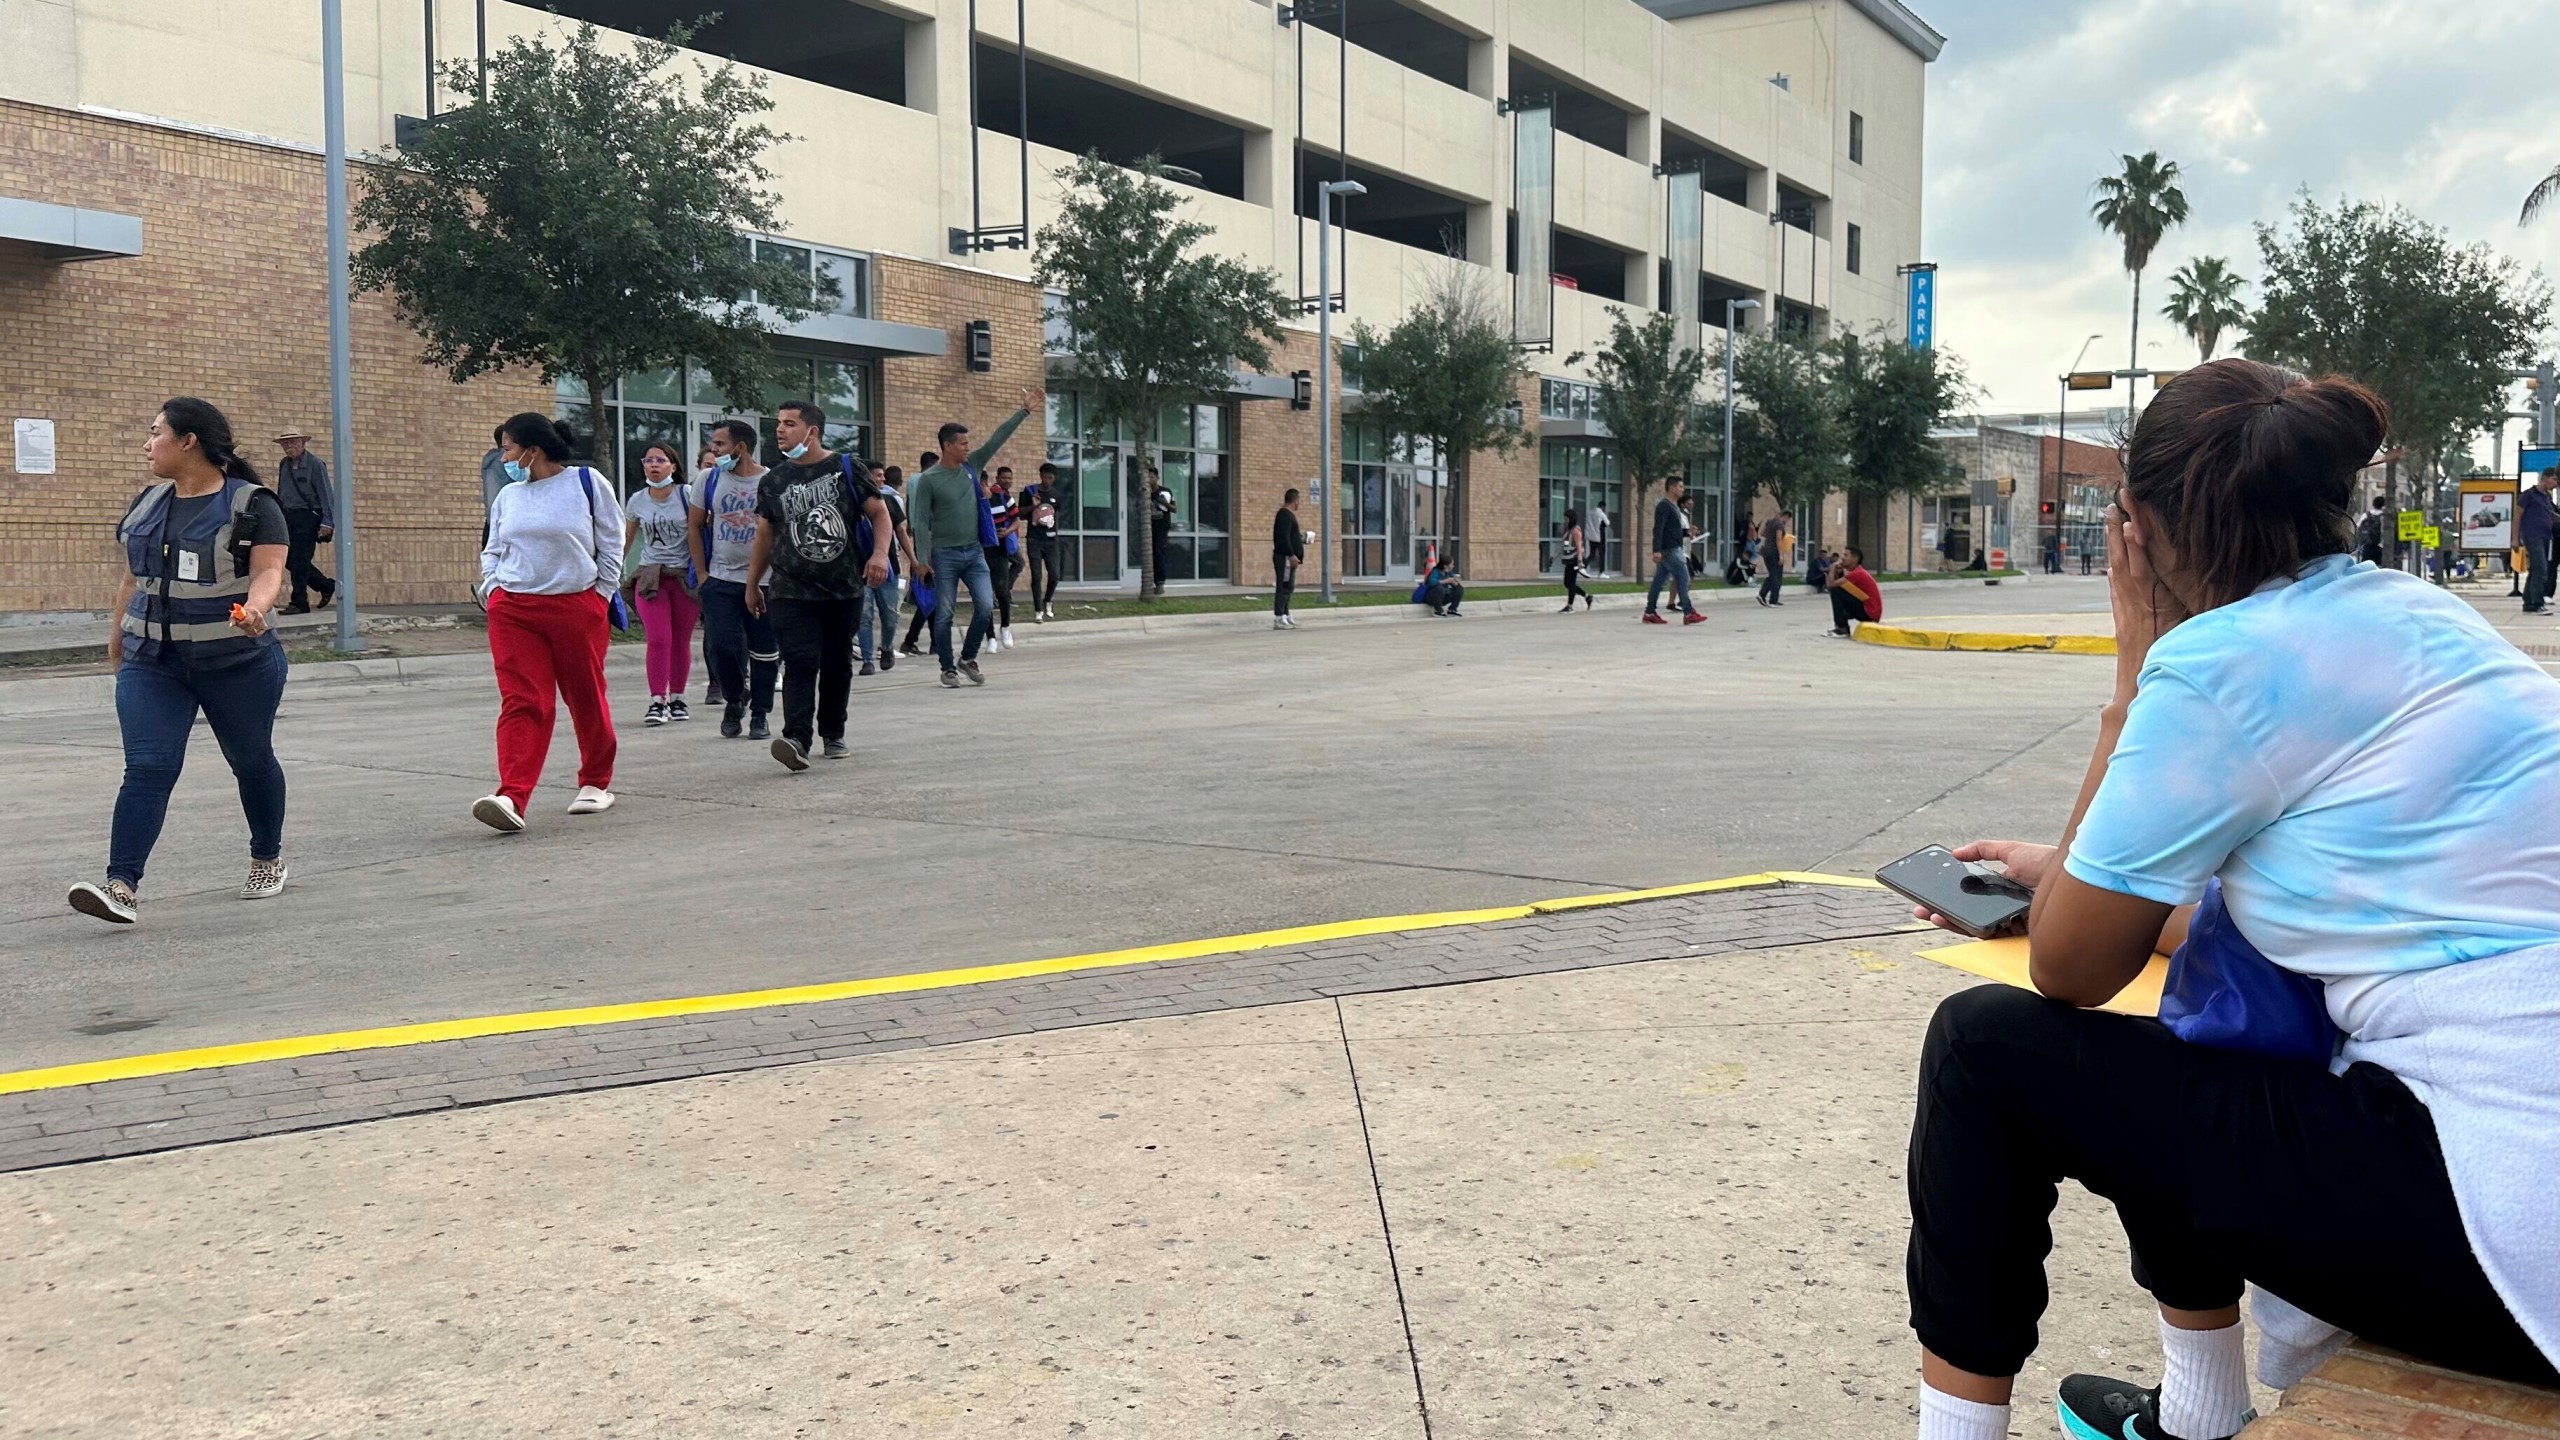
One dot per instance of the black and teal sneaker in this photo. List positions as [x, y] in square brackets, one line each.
[2095, 1407]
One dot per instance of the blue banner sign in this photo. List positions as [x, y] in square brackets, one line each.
[1922, 323]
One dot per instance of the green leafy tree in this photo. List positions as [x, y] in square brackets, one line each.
[1790, 437]
[587, 218]
[2137, 205]
[1446, 372]
[2204, 301]
[1648, 398]
[1890, 397]
[2385, 298]
[1151, 323]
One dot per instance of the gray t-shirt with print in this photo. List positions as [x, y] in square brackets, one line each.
[662, 527]
[730, 528]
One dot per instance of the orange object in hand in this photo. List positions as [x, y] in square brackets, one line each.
[239, 616]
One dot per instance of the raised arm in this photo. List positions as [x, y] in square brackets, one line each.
[979, 457]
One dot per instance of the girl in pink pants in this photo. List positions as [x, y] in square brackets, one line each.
[656, 525]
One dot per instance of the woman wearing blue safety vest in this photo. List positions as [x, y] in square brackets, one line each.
[204, 549]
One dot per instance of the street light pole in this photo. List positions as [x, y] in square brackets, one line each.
[1325, 478]
[1724, 499]
[2061, 438]
[342, 445]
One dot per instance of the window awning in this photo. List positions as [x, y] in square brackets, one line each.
[64, 233]
[854, 336]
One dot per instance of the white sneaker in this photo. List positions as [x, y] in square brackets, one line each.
[1289, 620]
[1004, 637]
[498, 813]
[591, 801]
[1279, 623]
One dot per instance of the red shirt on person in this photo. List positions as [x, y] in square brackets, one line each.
[1864, 585]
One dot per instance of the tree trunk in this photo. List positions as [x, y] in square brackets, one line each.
[2135, 342]
[1146, 485]
[586, 446]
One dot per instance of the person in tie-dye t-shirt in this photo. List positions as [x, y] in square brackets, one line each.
[2365, 766]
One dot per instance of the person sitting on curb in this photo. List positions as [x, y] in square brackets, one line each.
[1440, 589]
[2374, 1149]
[1855, 595]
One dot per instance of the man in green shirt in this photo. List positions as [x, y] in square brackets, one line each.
[946, 509]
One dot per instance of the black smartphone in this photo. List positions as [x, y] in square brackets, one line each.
[1982, 902]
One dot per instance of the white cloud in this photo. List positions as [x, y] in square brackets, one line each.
[2447, 109]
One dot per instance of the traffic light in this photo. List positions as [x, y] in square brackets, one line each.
[2045, 509]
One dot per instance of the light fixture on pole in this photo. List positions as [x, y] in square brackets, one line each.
[342, 443]
[1324, 372]
[1724, 498]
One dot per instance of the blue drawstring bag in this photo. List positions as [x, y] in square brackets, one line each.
[2222, 992]
[922, 592]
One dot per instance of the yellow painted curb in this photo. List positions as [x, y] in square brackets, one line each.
[1902, 638]
[297, 1047]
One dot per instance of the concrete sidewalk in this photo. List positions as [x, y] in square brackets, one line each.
[1658, 1199]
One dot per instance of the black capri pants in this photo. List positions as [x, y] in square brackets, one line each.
[2225, 1167]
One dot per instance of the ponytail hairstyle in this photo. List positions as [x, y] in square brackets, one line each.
[2250, 471]
[540, 432]
[187, 415]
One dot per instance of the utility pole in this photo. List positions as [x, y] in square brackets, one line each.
[342, 429]
[1325, 476]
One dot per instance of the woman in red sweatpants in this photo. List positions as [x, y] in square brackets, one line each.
[554, 554]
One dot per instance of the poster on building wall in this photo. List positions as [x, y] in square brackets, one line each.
[1685, 247]
[2488, 514]
[1533, 198]
[33, 448]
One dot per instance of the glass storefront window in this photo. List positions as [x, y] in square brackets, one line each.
[1097, 461]
[1394, 508]
[681, 404]
[1583, 476]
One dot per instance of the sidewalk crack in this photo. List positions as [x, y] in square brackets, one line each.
[1386, 1229]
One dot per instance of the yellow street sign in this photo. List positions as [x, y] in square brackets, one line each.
[2411, 522]
[2432, 538]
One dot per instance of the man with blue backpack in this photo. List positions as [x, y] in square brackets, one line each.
[822, 537]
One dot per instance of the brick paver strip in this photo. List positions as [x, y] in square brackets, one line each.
[131, 1117]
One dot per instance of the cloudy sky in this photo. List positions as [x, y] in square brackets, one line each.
[2450, 107]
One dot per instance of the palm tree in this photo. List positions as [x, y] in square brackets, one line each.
[2204, 301]
[2138, 205]
[2543, 194]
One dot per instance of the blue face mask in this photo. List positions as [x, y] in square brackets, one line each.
[796, 451]
[724, 462]
[516, 471]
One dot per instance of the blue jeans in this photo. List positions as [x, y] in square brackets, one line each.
[156, 704]
[883, 599]
[953, 567]
[1674, 567]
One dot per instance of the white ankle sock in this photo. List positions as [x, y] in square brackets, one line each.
[1944, 1417]
[2204, 1382]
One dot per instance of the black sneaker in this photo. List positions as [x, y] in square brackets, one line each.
[676, 711]
[950, 679]
[2095, 1407]
[888, 662]
[711, 694]
[970, 669]
[756, 728]
[836, 749]
[867, 669]
[731, 717]
[788, 751]
[657, 713]
[910, 648]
